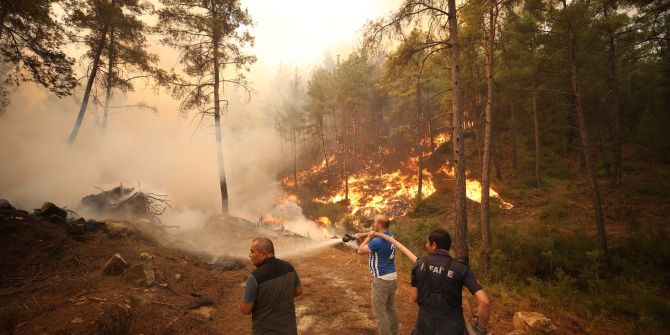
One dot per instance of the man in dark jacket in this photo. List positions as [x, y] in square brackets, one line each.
[437, 286]
[270, 291]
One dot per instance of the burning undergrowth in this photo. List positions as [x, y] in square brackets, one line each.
[372, 189]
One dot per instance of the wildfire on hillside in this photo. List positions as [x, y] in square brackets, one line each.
[388, 192]
[307, 174]
[371, 191]
[473, 188]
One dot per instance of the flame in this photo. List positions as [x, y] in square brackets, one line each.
[294, 198]
[473, 188]
[438, 140]
[324, 221]
[390, 191]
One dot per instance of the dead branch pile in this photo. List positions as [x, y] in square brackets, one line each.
[126, 202]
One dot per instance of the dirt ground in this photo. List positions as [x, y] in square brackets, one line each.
[51, 282]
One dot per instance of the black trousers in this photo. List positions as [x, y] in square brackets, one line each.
[443, 324]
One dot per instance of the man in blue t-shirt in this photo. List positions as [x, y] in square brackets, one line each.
[384, 276]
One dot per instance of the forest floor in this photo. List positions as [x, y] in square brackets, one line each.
[51, 282]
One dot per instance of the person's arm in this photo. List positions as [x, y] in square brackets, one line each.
[483, 303]
[297, 286]
[414, 290]
[250, 290]
[363, 249]
[398, 246]
[483, 309]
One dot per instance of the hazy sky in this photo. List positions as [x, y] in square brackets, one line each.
[297, 32]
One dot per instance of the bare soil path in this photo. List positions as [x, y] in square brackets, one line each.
[337, 295]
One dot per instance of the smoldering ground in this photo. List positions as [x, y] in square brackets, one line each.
[163, 153]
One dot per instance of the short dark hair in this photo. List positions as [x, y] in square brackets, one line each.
[441, 238]
[264, 244]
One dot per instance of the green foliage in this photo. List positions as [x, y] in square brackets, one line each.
[558, 171]
[203, 31]
[31, 41]
[116, 25]
[660, 189]
[412, 233]
[334, 212]
[652, 132]
[555, 271]
[430, 206]
[556, 212]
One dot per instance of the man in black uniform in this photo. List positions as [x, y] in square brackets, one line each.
[437, 286]
[270, 291]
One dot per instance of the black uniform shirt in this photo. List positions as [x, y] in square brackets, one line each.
[439, 280]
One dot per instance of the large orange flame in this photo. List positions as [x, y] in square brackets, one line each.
[383, 192]
[473, 188]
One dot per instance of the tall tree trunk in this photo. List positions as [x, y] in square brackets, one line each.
[536, 116]
[89, 85]
[419, 148]
[431, 135]
[590, 173]
[361, 133]
[565, 134]
[346, 154]
[110, 81]
[3, 16]
[536, 124]
[461, 221]
[295, 159]
[513, 131]
[354, 140]
[613, 84]
[381, 140]
[478, 144]
[217, 122]
[486, 162]
[419, 132]
[281, 147]
[325, 152]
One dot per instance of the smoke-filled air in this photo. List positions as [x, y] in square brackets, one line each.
[164, 162]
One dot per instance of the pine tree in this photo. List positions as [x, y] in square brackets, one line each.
[117, 48]
[31, 39]
[209, 35]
